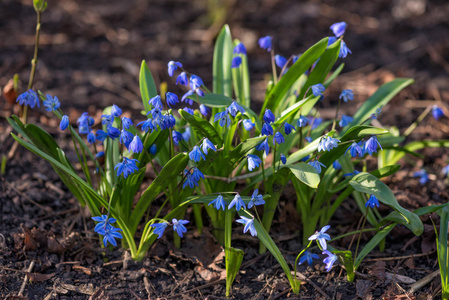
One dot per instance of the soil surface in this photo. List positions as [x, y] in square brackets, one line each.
[89, 57]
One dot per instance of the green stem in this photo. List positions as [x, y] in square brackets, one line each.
[336, 114]
[296, 263]
[273, 66]
[360, 236]
[418, 120]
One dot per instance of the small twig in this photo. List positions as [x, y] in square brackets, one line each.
[422, 282]
[399, 257]
[197, 288]
[25, 279]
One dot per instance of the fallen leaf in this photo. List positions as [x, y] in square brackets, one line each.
[38, 277]
[363, 287]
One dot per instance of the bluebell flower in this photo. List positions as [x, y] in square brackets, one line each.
[327, 144]
[265, 43]
[153, 149]
[321, 237]
[126, 122]
[280, 61]
[249, 225]
[295, 58]
[171, 99]
[315, 122]
[155, 113]
[136, 145]
[107, 120]
[101, 136]
[437, 112]
[329, 260]
[179, 227]
[423, 176]
[204, 110]
[355, 150]
[147, 125]
[236, 62]
[268, 116]
[195, 82]
[113, 132]
[267, 129]
[196, 154]
[306, 158]
[91, 138]
[445, 171]
[303, 121]
[28, 98]
[110, 234]
[189, 110]
[345, 120]
[51, 103]
[234, 108]
[308, 257]
[177, 137]
[263, 146]
[278, 138]
[185, 97]
[338, 28]
[159, 228]
[253, 161]
[309, 139]
[237, 202]
[116, 111]
[83, 123]
[283, 159]
[318, 89]
[172, 67]
[206, 145]
[288, 128]
[99, 155]
[128, 166]
[256, 199]
[186, 134]
[64, 122]
[336, 165]
[317, 165]
[224, 119]
[239, 49]
[331, 40]
[103, 221]
[344, 50]
[248, 125]
[372, 201]
[197, 175]
[351, 174]
[182, 79]
[156, 102]
[371, 145]
[347, 95]
[218, 202]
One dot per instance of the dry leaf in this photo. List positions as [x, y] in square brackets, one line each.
[38, 277]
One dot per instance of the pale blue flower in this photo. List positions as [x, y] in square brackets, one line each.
[423, 176]
[159, 228]
[249, 225]
[237, 202]
[51, 103]
[136, 145]
[256, 199]
[156, 102]
[317, 165]
[179, 227]
[330, 260]
[182, 79]
[116, 111]
[253, 162]
[345, 120]
[347, 95]
[196, 154]
[355, 150]
[207, 144]
[338, 28]
[218, 202]
[318, 89]
[248, 125]
[173, 66]
[371, 145]
[28, 98]
[321, 237]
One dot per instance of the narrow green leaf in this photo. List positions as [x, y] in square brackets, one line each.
[240, 151]
[348, 262]
[202, 126]
[147, 86]
[221, 68]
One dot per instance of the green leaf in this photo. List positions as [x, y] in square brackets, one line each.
[442, 248]
[212, 100]
[203, 127]
[370, 184]
[334, 75]
[240, 151]
[305, 173]
[348, 262]
[234, 258]
[417, 145]
[304, 62]
[147, 86]
[222, 81]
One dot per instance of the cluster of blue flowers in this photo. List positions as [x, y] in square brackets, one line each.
[106, 229]
[178, 227]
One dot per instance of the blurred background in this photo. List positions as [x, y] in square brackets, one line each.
[91, 51]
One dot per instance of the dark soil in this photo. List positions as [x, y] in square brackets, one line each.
[89, 57]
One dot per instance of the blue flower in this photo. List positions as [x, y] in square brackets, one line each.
[156, 102]
[195, 82]
[331, 40]
[265, 43]
[237, 202]
[253, 161]
[153, 149]
[186, 134]
[113, 132]
[355, 150]
[64, 122]
[283, 159]
[224, 118]
[196, 154]
[128, 166]
[295, 58]
[280, 61]
[83, 123]
[288, 128]
[136, 145]
[218, 202]
[309, 139]
[99, 155]
[177, 137]
[239, 49]
[256, 199]
[344, 50]
[263, 146]
[236, 62]
[338, 28]
[179, 227]
[304, 159]
[185, 97]
[155, 113]
[327, 144]
[249, 225]
[317, 165]
[372, 201]
[318, 89]
[204, 110]
[248, 125]
[278, 138]
[234, 108]
[197, 175]
[268, 116]
[91, 138]
[308, 257]
[206, 145]
[182, 79]
[345, 120]
[351, 174]
[147, 125]
[103, 221]
[423, 176]
[110, 234]
[267, 129]
[303, 121]
[336, 165]
[171, 99]
[173, 66]
[101, 136]
[437, 112]
[371, 145]
[189, 110]
[126, 122]
[29, 98]
[445, 171]
[330, 260]
[159, 228]
[347, 95]
[321, 237]
[116, 111]
[51, 103]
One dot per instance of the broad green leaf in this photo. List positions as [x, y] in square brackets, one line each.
[348, 261]
[305, 173]
[203, 126]
[147, 86]
[221, 68]
[334, 75]
[234, 258]
[212, 100]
